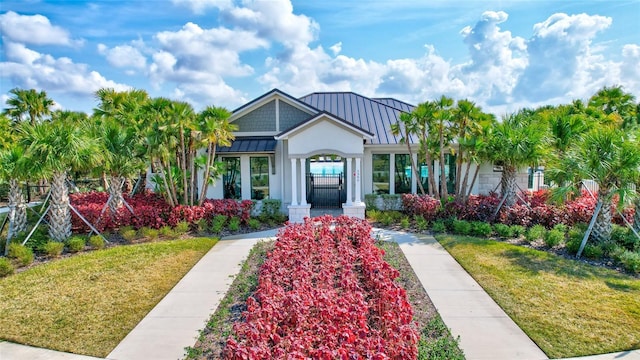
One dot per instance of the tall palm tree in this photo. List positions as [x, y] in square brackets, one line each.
[213, 124]
[405, 127]
[58, 147]
[181, 116]
[424, 115]
[518, 141]
[614, 101]
[442, 128]
[28, 104]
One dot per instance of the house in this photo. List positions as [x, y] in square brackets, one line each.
[326, 149]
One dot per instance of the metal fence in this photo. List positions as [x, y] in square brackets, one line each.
[326, 191]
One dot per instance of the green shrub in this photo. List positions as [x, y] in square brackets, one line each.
[234, 224]
[37, 240]
[438, 226]
[421, 223]
[593, 252]
[129, 234]
[518, 230]
[623, 236]
[181, 228]
[202, 225]
[22, 254]
[370, 201]
[630, 261]
[481, 228]
[461, 227]
[270, 209]
[615, 252]
[573, 245]
[553, 237]
[503, 231]
[405, 223]
[217, 223]
[448, 223]
[254, 224]
[374, 215]
[75, 244]
[167, 231]
[6, 268]
[53, 248]
[561, 227]
[436, 342]
[149, 233]
[96, 242]
[535, 232]
[386, 219]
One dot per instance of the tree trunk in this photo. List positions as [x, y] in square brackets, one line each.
[183, 168]
[433, 190]
[414, 166]
[462, 195]
[17, 210]
[636, 216]
[211, 153]
[143, 183]
[59, 213]
[602, 229]
[116, 200]
[473, 182]
[508, 184]
[458, 184]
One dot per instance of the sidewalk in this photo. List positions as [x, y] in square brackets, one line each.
[485, 331]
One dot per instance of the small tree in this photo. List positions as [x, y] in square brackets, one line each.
[57, 147]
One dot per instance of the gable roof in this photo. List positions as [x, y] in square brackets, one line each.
[321, 114]
[267, 97]
[370, 115]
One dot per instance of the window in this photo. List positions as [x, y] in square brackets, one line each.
[424, 175]
[381, 167]
[231, 178]
[450, 172]
[259, 178]
[402, 174]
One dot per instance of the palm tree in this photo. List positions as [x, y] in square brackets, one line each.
[405, 127]
[611, 158]
[518, 141]
[614, 101]
[28, 103]
[120, 144]
[58, 147]
[213, 124]
[442, 128]
[14, 168]
[424, 115]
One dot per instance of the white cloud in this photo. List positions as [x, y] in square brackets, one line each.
[29, 69]
[33, 29]
[123, 56]
[336, 48]
[561, 59]
[199, 6]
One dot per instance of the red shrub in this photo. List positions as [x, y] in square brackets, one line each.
[424, 205]
[326, 293]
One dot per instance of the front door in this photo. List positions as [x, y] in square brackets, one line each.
[326, 182]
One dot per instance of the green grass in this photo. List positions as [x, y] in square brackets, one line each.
[88, 303]
[568, 308]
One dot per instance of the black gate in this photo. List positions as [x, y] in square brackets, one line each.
[326, 191]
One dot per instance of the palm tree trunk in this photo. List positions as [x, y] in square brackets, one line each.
[459, 191]
[508, 183]
[443, 178]
[183, 167]
[433, 190]
[636, 216]
[116, 200]
[211, 152]
[17, 210]
[59, 213]
[414, 166]
[473, 182]
[162, 169]
[602, 229]
[462, 192]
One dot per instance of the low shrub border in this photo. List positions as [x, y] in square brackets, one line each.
[326, 293]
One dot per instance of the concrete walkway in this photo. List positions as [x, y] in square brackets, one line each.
[485, 331]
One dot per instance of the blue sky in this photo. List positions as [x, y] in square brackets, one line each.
[504, 55]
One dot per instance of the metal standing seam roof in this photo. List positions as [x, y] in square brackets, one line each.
[374, 116]
[250, 144]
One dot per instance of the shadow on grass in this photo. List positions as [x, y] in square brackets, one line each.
[534, 261]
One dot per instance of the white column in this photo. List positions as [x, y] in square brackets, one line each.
[415, 178]
[349, 182]
[303, 181]
[294, 186]
[358, 181]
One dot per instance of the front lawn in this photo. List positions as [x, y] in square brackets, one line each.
[567, 307]
[88, 303]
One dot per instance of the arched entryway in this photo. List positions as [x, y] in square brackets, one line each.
[326, 181]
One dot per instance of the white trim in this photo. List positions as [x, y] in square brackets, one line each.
[255, 133]
[294, 185]
[277, 94]
[277, 114]
[320, 117]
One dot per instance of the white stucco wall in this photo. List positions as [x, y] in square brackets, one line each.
[327, 136]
